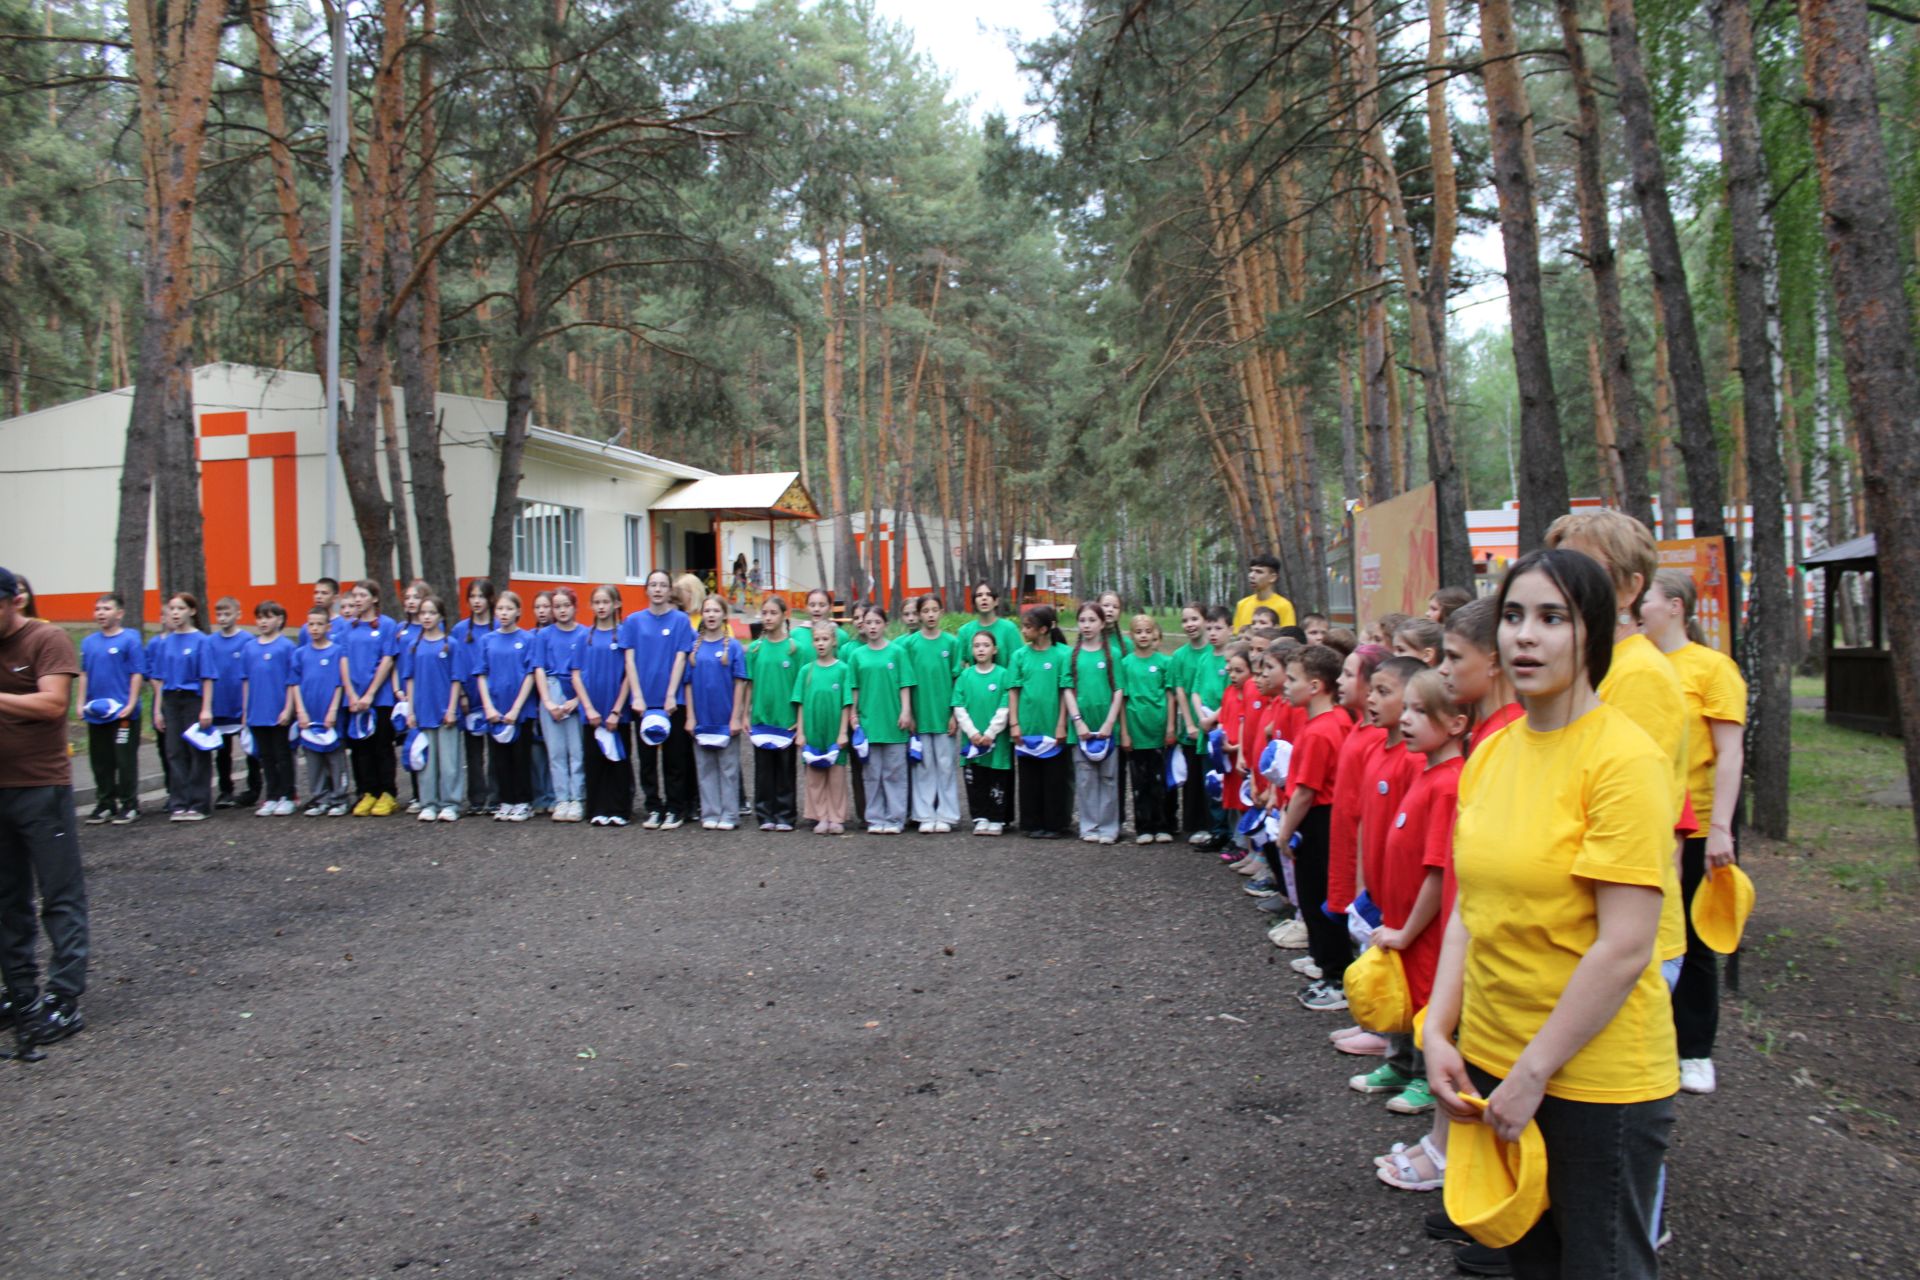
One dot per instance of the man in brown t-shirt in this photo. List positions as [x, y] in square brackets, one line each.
[39, 838]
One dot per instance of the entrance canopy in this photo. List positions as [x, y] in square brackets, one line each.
[767, 495]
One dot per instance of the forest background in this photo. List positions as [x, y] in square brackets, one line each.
[1203, 318]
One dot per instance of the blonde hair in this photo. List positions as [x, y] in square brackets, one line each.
[1679, 585]
[1626, 546]
[1147, 619]
[1429, 688]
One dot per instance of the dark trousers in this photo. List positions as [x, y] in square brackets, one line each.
[773, 785]
[1195, 812]
[274, 763]
[1327, 940]
[859, 779]
[223, 766]
[374, 766]
[114, 751]
[671, 764]
[1603, 1182]
[1120, 800]
[479, 781]
[189, 769]
[1046, 792]
[40, 850]
[513, 767]
[1696, 997]
[609, 782]
[989, 792]
[1151, 804]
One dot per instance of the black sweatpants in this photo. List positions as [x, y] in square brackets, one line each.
[673, 759]
[374, 766]
[773, 785]
[989, 792]
[1327, 940]
[274, 761]
[1046, 792]
[513, 767]
[479, 781]
[114, 751]
[40, 852]
[1152, 806]
[1195, 814]
[189, 769]
[609, 782]
[223, 767]
[1696, 997]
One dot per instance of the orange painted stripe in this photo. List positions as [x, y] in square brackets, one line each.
[223, 424]
[277, 444]
[225, 518]
[286, 517]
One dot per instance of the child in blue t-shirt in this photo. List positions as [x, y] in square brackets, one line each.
[658, 640]
[553, 663]
[227, 641]
[318, 696]
[111, 678]
[505, 679]
[716, 704]
[267, 671]
[435, 669]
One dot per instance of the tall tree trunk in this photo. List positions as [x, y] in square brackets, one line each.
[1693, 411]
[306, 283]
[427, 470]
[396, 476]
[1596, 237]
[1769, 646]
[1876, 324]
[846, 572]
[1543, 468]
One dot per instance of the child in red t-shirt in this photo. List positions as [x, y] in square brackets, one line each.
[1472, 670]
[1313, 676]
[1233, 722]
[1343, 828]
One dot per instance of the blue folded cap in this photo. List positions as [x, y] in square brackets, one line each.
[1217, 749]
[475, 722]
[506, 731]
[1367, 911]
[654, 728]
[1176, 769]
[770, 737]
[1037, 746]
[247, 743]
[103, 710]
[416, 750]
[1216, 783]
[915, 752]
[1274, 759]
[712, 739]
[1096, 748]
[858, 740]
[611, 742]
[970, 750]
[402, 716]
[1252, 820]
[204, 739]
[319, 738]
[360, 725]
[821, 759]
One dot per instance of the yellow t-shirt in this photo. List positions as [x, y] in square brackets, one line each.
[1714, 690]
[1641, 682]
[1243, 611]
[1542, 817]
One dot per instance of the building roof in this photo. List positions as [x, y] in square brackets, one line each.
[1050, 551]
[766, 495]
[1865, 547]
[603, 451]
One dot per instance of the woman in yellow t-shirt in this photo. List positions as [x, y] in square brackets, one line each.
[1716, 699]
[1548, 973]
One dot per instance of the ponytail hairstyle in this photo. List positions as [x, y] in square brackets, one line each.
[1422, 633]
[613, 594]
[1429, 688]
[427, 598]
[372, 588]
[1448, 601]
[1042, 617]
[486, 588]
[1678, 584]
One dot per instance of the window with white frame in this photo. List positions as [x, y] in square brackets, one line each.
[546, 540]
[636, 547]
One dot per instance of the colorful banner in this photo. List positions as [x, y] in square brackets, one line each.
[1396, 555]
[1706, 560]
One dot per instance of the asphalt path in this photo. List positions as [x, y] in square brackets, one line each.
[368, 1047]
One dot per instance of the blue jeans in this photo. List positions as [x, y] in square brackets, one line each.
[566, 759]
[443, 783]
[1603, 1179]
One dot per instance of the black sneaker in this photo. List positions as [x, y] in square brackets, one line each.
[52, 1018]
[126, 817]
[14, 1043]
[670, 821]
[1479, 1260]
[99, 817]
[1441, 1227]
[226, 802]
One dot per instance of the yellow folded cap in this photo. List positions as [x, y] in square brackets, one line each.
[1420, 1026]
[1377, 995]
[1495, 1191]
[1721, 906]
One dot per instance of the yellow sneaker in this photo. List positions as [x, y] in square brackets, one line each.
[365, 806]
[385, 805]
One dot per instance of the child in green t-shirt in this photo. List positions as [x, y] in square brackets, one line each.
[980, 711]
[773, 665]
[935, 657]
[1148, 731]
[823, 692]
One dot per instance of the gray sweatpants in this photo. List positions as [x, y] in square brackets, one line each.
[1096, 792]
[885, 774]
[936, 780]
[326, 777]
[718, 769]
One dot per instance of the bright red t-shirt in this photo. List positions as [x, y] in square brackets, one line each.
[1316, 756]
[1420, 841]
[1233, 722]
[1385, 774]
[1343, 832]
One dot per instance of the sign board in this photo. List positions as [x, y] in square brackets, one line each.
[1396, 555]
[1706, 560]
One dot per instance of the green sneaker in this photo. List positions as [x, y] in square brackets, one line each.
[1384, 1078]
[1416, 1099]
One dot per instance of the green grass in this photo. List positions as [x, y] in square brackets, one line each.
[1809, 686]
[1866, 848]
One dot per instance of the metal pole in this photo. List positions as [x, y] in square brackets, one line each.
[336, 163]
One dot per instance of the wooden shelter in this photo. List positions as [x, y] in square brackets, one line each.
[1860, 691]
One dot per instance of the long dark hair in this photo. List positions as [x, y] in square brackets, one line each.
[1044, 617]
[1589, 593]
[486, 588]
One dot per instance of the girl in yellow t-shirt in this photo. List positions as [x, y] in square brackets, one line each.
[1716, 701]
[1547, 974]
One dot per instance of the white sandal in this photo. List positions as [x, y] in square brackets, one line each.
[1398, 1171]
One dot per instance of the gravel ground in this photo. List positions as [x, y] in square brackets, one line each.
[357, 1048]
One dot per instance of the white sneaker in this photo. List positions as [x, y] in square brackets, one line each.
[1291, 934]
[449, 813]
[996, 828]
[283, 808]
[708, 824]
[1162, 837]
[925, 828]
[1305, 964]
[428, 814]
[413, 806]
[1143, 839]
[599, 820]
[266, 810]
[560, 812]
[1696, 1075]
[723, 826]
[1198, 837]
